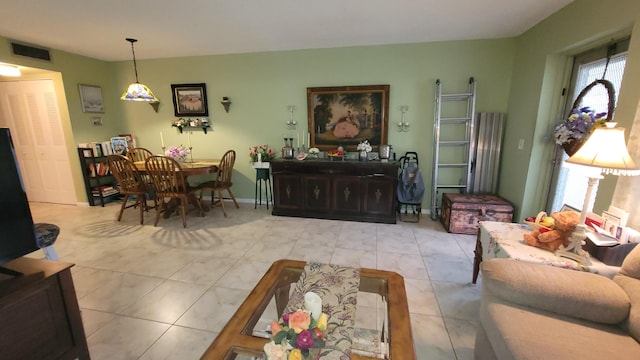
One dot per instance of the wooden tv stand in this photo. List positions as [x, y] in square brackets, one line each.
[39, 312]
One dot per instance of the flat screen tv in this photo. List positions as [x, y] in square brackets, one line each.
[17, 236]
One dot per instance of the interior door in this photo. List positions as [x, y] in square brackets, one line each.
[30, 110]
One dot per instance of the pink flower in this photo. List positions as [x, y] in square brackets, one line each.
[305, 340]
[299, 320]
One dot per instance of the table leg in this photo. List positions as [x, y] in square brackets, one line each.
[268, 191]
[477, 259]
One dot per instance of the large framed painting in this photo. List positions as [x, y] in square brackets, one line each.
[190, 99]
[347, 115]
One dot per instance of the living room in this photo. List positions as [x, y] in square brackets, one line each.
[522, 76]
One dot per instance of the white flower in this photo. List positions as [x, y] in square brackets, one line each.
[364, 146]
[276, 351]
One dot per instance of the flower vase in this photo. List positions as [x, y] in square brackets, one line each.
[363, 156]
[572, 146]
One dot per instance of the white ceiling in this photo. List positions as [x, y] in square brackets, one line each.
[173, 28]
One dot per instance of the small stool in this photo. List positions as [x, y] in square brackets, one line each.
[263, 175]
[46, 235]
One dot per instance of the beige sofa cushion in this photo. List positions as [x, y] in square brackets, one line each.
[567, 292]
[629, 280]
[518, 332]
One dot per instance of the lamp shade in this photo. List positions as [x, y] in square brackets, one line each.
[606, 149]
[139, 92]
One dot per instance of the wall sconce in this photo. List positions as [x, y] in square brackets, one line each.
[226, 103]
[291, 124]
[403, 126]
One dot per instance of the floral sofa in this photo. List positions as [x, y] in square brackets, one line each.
[534, 311]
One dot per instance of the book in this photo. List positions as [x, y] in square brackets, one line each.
[106, 148]
[601, 237]
[97, 149]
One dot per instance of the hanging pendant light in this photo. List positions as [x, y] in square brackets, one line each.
[137, 91]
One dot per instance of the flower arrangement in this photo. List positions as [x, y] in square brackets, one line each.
[364, 146]
[578, 125]
[178, 153]
[293, 337]
[261, 153]
[181, 122]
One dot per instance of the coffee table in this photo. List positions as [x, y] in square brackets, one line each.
[244, 335]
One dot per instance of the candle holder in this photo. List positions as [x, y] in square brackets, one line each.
[191, 154]
[163, 149]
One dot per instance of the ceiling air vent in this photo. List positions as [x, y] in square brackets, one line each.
[30, 51]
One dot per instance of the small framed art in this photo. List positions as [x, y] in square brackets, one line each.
[190, 99]
[91, 98]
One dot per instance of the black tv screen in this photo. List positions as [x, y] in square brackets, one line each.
[17, 236]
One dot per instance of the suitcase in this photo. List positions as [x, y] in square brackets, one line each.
[461, 212]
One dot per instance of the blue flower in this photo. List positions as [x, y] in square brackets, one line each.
[578, 125]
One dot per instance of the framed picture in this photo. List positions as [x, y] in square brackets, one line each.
[131, 140]
[119, 145]
[190, 99]
[91, 98]
[566, 207]
[611, 223]
[96, 121]
[347, 115]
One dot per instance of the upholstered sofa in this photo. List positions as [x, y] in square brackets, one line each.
[534, 311]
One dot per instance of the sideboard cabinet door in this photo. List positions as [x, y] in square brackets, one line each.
[347, 194]
[317, 193]
[288, 191]
[379, 195]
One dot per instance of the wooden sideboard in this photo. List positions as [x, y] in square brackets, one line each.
[341, 190]
[40, 313]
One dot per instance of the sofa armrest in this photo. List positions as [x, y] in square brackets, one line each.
[562, 291]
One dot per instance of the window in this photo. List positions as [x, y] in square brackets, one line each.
[588, 67]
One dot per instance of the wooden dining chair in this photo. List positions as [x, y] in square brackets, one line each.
[138, 154]
[222, 181]
[169, 183]
[130, 184]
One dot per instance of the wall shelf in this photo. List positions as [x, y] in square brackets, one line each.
[203, 127]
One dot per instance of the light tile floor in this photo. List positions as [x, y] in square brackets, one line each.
[165, 292]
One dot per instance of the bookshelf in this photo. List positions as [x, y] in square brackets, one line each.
[100, 185]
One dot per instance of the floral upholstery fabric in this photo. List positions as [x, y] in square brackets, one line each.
[338, 287]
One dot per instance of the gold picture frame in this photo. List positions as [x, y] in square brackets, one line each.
[347, 115]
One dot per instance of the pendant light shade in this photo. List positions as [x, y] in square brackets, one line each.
[137, 91]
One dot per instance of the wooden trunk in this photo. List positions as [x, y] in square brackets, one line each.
[462, 212]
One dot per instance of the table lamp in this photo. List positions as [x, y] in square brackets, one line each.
[606, 152]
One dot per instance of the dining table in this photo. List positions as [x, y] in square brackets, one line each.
[187, 168]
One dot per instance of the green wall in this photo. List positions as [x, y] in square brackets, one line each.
[535, 101]
[262, 85]
[522, 76]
